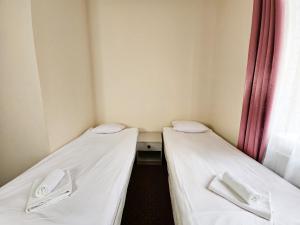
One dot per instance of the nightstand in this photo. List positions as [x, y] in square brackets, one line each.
[149, 148]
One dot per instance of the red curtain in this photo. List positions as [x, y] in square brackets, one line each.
[262, 67]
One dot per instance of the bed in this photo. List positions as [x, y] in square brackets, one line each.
[194, 158]
[100, 166]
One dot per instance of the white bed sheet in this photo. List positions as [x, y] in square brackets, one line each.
[100, 167]
[194, 158]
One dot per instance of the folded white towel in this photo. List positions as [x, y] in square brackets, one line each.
[246, 192]
[49, 183]
[261, 207]
[62, 191]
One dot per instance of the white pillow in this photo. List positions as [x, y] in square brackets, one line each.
[189, 126]
[109, 128]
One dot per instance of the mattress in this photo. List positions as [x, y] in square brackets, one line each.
[195, 158]
[100, 167]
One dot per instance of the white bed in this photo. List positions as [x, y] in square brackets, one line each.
[100, 167]
[194, 158]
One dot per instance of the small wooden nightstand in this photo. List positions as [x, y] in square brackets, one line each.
[149, 148]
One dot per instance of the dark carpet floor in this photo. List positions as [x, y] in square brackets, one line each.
[148, 198]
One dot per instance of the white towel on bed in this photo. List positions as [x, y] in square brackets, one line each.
[62, 191]
[261, 207]
[246, 192]
[49, 183]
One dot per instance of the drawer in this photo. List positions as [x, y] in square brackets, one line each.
[149, 157]
[149, 146]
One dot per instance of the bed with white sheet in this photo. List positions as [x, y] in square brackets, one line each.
[100, 166]
[195, 158]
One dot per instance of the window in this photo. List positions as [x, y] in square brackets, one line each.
[283, 151]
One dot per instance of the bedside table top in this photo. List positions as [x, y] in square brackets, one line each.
[150, 137]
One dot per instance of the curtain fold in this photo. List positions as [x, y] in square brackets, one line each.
[262, 67]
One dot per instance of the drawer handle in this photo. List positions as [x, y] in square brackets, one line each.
[148, 146]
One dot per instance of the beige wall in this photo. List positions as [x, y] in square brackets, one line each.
[152, 60]
[61, 40]
[233, 32]
[23, 134]
[46, 96]
[162, 60]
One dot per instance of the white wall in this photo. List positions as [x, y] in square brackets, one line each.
[23, 134]
[230, 61]
[62, 48]
[152, 60]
